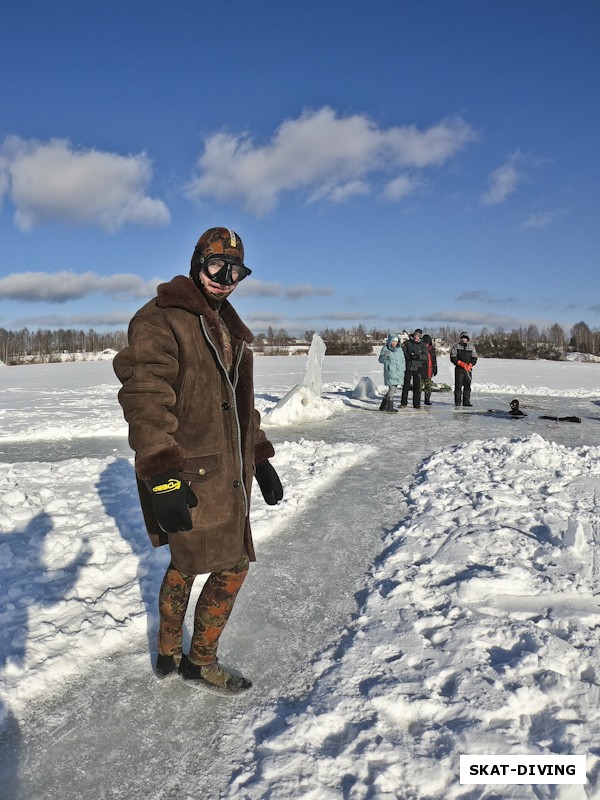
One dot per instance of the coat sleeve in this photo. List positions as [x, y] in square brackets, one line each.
[263, 449]
[402, 360]
[473, 355]
[383, 355]
[147, 369]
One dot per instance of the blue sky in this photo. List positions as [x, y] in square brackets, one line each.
[389, 163]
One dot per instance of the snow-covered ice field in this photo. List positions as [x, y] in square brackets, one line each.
[427, 588]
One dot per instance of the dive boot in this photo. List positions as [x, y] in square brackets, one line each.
[165, 665]
[214, 677]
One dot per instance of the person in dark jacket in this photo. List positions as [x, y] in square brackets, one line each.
[188, 396]
[430, 369]
[415, 353]
[464, 357]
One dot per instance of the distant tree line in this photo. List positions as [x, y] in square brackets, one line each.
[44, 345]
[551, 343]
[529, 343]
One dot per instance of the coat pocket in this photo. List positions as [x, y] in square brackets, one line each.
[185, 393]
[214, 489]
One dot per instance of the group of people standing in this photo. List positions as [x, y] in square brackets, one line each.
[412, 364]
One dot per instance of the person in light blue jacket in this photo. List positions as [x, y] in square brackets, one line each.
[394, 367]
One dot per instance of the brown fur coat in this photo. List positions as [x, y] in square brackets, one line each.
[186, 413]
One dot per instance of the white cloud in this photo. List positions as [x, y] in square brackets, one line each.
[475, 318]
[255, 288]
[52, 181]
[328, 156]
[260, 321]
[345, 316]
[472, 321]
[341, 193]
[4, 177]
[307, 290]
[503, 181]
[115, 319]
[401, 187]
[487, 298]
[59, 287]
[543, 219]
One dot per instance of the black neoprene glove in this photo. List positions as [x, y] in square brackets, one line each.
[269, 483]
[172, 499]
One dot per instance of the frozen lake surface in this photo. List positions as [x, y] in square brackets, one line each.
[427, 588]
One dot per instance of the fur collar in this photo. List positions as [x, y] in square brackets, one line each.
[182, 292]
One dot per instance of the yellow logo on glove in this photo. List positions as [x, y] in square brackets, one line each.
[171, 486]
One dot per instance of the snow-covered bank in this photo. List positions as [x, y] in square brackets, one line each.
[54, 402]
[80, 573]
[35, 360]
[479, 634]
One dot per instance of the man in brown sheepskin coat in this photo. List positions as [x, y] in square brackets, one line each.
[188, 396]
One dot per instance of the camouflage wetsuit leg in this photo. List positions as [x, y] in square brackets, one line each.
[213, 609]
[173, 601]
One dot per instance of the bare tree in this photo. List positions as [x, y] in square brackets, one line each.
[581, 338]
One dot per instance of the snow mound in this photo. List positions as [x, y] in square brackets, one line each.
[584, 357]
[365, 389]
[107, 355]
[539, 391]
[299, 405]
